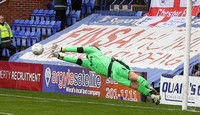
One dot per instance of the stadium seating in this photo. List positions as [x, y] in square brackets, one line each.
[15, 24]
[51, 5]
[29, 25]
[23, 25]
[69, 4]
[15, 33]
[18, 38]
[24, 39]
[148, 3]
[105, 4]
[89, 6]
[35, 25]
[126, 5]
[72, 16]
[58, 25]
[139, 13]
[43, 15]
[83, 6]
[5, 53]
[115, 5]
[33, 14]
[39, 14]
[41, 24]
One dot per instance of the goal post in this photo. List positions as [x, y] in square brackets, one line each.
[187, 54]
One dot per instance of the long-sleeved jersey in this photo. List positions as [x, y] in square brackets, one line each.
[96, 61]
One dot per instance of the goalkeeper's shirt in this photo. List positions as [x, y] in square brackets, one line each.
[96, 61]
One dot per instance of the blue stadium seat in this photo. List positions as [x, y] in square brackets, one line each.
[53, 27]
[105, 4]
[35, 25]
[139, 13]
[19, 37]
[115, 2]
[33, 14]
[72, 17]
[15, 34]
[83, 6]
[50, 5]
[124, 2]
[38, 15]
[18, 25]
[47, 17]
[90, 5]
[78, 14]
[24, 39]
[128, 5]
[37, 36]
[50, 27]
[40, 25]
[43, 15]
[13, 40]
[131, 3]
[52, 16]
[58, 25]
[68, 18]
[44, 28]
[14, 24]
[69, 4]
[29, 25]
[5, 53]
[24, 24]
[30, 39]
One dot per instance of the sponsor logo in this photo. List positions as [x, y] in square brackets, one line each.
[173, 91]
[47, 75]
[63, 78]
[162, 2]
[193, 2]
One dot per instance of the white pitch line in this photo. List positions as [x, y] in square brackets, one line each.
[70, 101]
[2, 113]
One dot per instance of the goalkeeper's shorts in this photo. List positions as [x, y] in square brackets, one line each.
[120, 73]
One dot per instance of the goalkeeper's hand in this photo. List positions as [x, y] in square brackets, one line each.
[56, 48]
[55, 54]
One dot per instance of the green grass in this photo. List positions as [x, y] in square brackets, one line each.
[21, 102]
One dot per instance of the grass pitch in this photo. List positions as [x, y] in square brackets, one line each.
[21, 102]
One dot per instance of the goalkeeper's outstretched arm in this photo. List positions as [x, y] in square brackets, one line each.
[57, 48]
[80, 49]
[75, 60]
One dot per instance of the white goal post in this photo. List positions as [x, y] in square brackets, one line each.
[187, 54]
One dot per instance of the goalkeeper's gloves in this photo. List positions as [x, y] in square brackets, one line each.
[57, 55]
[56, 48]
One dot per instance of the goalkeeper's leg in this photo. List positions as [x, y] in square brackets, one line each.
[134, 77]
[145, 91]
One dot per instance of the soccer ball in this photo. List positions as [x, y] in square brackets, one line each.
[37, 49]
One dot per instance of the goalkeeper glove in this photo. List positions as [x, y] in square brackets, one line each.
[57, 55]
[56, 48]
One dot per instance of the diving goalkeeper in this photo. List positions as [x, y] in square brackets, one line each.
[108, 67]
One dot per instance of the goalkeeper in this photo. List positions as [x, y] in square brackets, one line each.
[108, 67]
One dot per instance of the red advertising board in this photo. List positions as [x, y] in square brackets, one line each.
[24, 76]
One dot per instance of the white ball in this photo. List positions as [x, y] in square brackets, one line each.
[37, 49]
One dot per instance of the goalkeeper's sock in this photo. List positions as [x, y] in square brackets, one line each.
[143, 90]
[143, 82]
